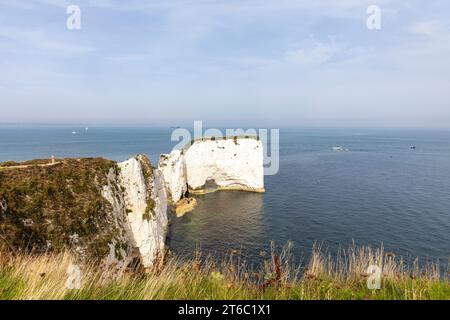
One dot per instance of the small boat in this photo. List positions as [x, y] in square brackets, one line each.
[74, 132]
[413, 147]
[338, 148]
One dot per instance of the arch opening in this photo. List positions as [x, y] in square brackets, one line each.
[210, 185]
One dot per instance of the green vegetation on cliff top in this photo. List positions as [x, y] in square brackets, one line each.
[43, 206]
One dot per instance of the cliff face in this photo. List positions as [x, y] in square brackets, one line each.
[173, 169]
[146, 207]
[100, 209]
[232, 164]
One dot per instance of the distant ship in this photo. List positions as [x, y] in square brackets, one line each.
[413, 147]
[74, 132]
[175, 127]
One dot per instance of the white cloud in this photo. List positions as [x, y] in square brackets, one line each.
[432, 29]
[25, 39]
[311, 53]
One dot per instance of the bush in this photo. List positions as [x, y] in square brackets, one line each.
[9, 164]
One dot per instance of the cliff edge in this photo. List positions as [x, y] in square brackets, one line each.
[102, 210]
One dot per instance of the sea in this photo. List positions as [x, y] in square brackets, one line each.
[382, 187]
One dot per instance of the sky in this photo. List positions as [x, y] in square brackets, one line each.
[226, 62]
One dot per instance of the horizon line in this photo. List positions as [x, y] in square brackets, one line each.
[261, 126]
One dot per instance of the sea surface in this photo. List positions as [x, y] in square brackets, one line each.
[378, 191]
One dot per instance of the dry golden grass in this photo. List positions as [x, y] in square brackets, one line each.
[44, 276]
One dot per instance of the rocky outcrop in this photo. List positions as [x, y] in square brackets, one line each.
[146, 207]
[101, 210]
[234, 163]
[173, 168]
[121, 245]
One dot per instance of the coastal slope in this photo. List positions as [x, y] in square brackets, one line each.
[102, 210]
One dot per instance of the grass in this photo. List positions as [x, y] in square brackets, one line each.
[44, 276]
[35, 162]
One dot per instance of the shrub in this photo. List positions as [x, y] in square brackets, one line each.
[9, 164]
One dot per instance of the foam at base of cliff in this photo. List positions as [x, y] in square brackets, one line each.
[230, 163]
[148, 227]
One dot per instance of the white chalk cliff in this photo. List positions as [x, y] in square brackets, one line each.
[173, 168]
[231, 163]
[146, 207]
[118, 255]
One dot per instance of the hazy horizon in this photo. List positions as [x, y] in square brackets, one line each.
[229, 63]
[220, 126]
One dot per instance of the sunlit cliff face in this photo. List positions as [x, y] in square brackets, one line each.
[231, 164]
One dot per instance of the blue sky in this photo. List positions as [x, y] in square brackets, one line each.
[228, 63]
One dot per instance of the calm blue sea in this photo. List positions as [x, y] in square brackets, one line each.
[379, 192]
